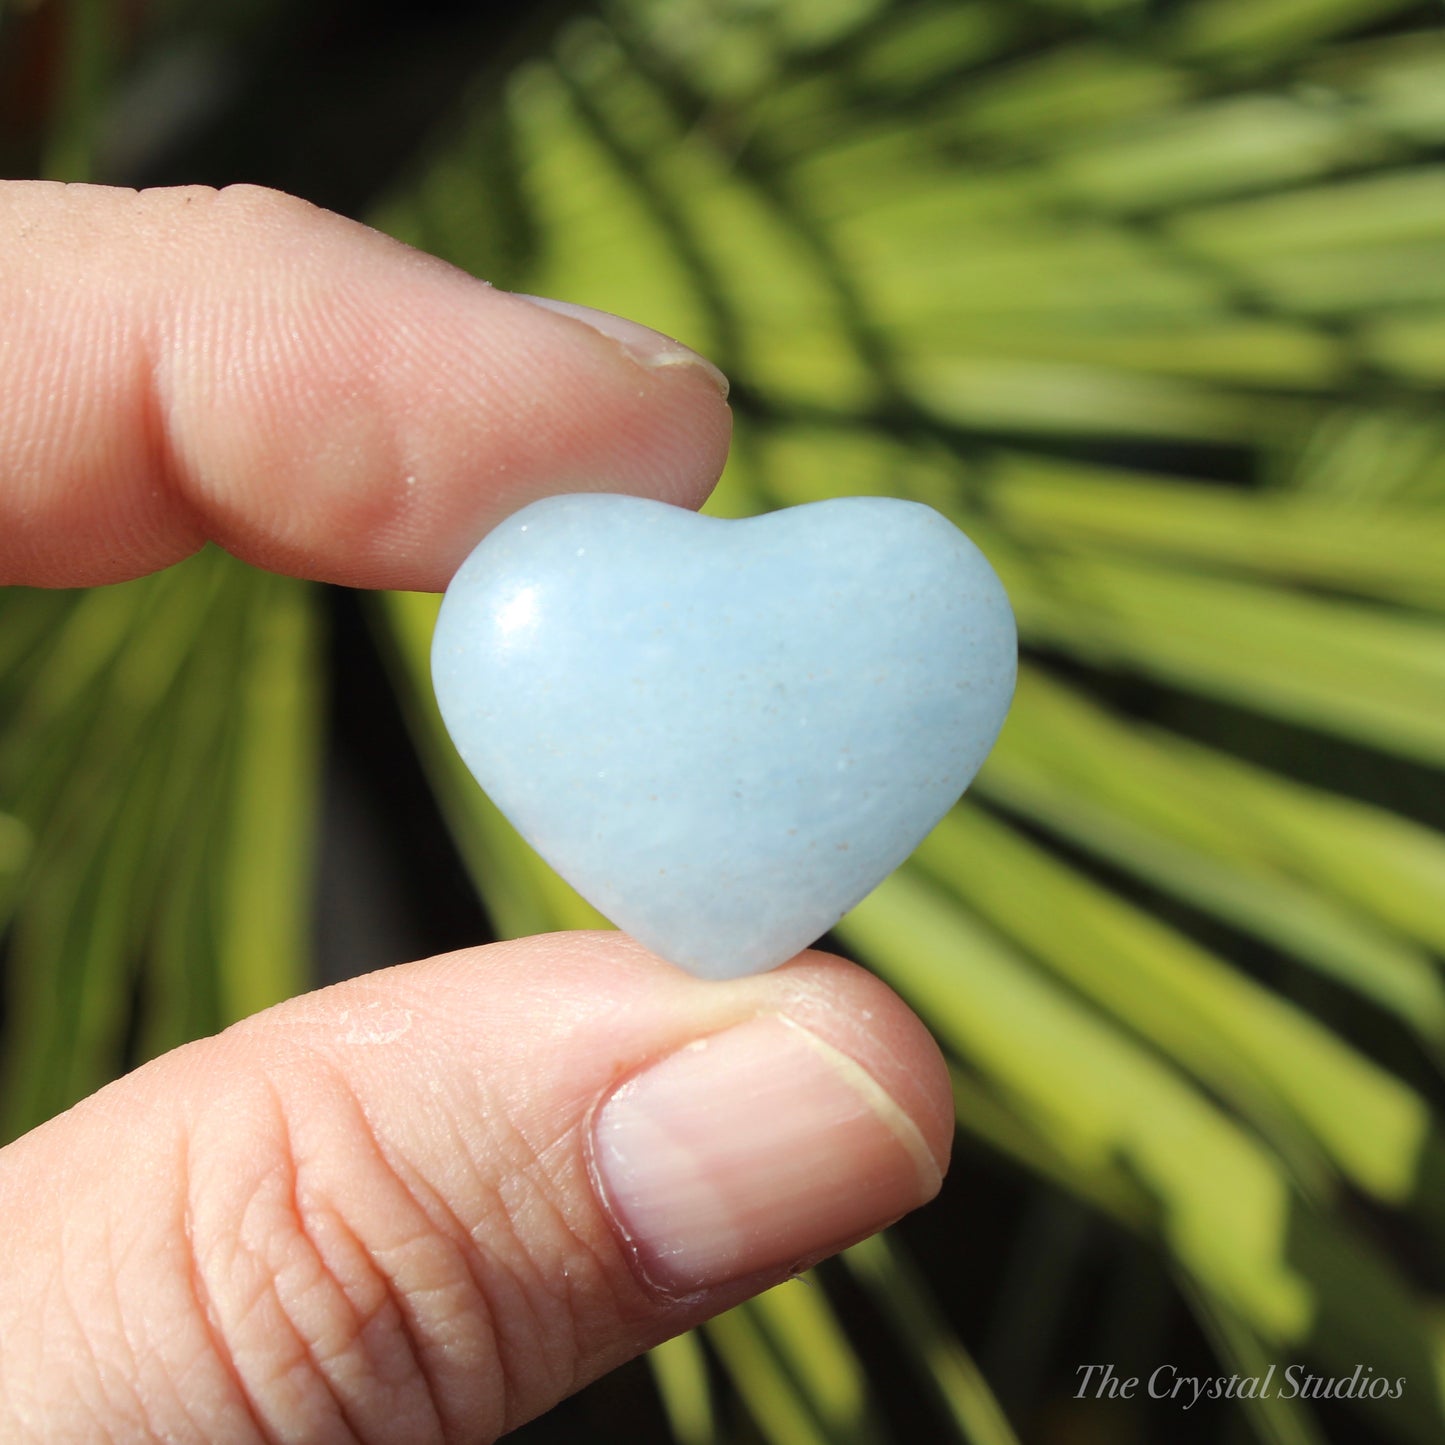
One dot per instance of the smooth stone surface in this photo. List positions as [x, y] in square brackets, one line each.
[724, 734]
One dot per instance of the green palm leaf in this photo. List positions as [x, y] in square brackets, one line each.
[999, 294]
[1149, 299]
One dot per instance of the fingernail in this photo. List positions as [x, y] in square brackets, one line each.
[754, 1150]
[641, 343]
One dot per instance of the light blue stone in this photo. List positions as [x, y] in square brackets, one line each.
[724, 734]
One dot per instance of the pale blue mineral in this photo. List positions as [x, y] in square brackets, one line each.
[724, 734]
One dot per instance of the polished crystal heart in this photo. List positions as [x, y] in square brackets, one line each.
[724, 734]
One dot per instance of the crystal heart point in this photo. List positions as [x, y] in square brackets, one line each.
[724, 734]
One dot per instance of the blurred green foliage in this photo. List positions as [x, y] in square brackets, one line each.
[1149, 298]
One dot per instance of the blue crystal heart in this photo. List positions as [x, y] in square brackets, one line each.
[724, 734]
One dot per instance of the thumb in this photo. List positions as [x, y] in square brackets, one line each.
[426, 1204]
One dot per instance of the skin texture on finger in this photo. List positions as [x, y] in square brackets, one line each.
[239, 366]
[379, 1213]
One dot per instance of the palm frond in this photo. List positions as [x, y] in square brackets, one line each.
[1147, 305]
[1149, 299]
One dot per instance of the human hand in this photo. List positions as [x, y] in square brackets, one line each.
[428, 1203]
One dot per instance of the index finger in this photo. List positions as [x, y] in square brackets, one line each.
[238, 366]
